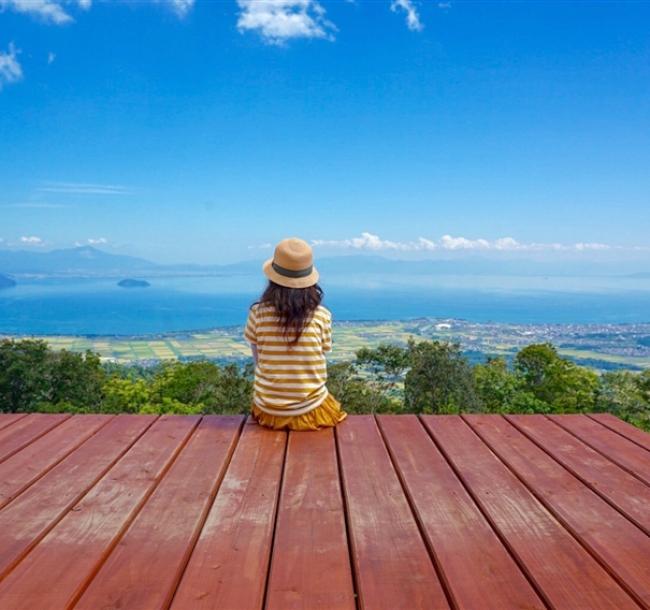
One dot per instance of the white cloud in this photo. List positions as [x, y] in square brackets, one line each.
[447, 242]
[592, 246]
[366, 241]
[97, 241]
[31, 240]
[10, 69]
[82, 188]
[507, 243]
[412, 16]
[55, 11]
[51, 11]
[181, 7]
[280, 20]
[371, 242]
[51, 57]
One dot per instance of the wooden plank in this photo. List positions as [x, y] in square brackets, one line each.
[613, 446]
[618, 544]
[144, 569]
[477, 569]
[58, 569]
[30, 516]
[229, 565]
[632, 433]
[393, 568]
[26, 430]
[611, 482]
[19, 471]
[6, 419]
[310, 567]
[563, 571]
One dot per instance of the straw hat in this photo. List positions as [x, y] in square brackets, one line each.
[292, 264]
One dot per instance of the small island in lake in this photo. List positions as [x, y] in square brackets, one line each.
[131, 283]
[6, 282]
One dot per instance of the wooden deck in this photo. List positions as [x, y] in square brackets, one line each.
[391, 513]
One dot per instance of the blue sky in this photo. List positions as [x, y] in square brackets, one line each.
[204, 131]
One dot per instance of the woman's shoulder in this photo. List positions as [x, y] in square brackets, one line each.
[260, 307]
[322, 315]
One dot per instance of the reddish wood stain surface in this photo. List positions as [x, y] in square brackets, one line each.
[473, 512]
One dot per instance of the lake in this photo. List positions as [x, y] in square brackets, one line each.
[100, 307]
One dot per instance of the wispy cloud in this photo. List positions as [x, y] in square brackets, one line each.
[81, 188]
[412, 16]
[280, 20]
[34, 204]
[372, 242]
[31, 240]
[51, 57]
[10, 68]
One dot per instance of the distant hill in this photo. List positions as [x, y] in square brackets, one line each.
[70, 261]
[467, 265]
[86, 260]
[6, 282]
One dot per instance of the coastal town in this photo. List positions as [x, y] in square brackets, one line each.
[599, 346]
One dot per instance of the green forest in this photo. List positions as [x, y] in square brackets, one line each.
[422, 377]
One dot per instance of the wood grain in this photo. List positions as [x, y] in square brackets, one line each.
[393, 568]
[6, 419]
[19, 471]
[26, 430]
[25, 521]
[311, 562]
[610, 481]
[636, 435]
[229, 565]
[478, 570]
[615, 447]
[617, 543]
[564, 572]
[144, 569]
[139, 512]
[54, 573]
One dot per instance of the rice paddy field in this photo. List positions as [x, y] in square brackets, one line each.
[602, 347]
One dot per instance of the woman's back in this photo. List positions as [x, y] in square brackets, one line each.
[291, 374]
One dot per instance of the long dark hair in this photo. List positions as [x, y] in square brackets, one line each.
[294, 306]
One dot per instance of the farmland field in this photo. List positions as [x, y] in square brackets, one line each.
[602, 347]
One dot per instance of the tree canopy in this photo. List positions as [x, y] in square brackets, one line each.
[421, 377]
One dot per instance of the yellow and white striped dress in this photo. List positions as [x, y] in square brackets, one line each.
[290, 379]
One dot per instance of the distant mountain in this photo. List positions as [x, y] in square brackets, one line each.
[70, 261]
[467, 265]
[6, 282]
[87, 260]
